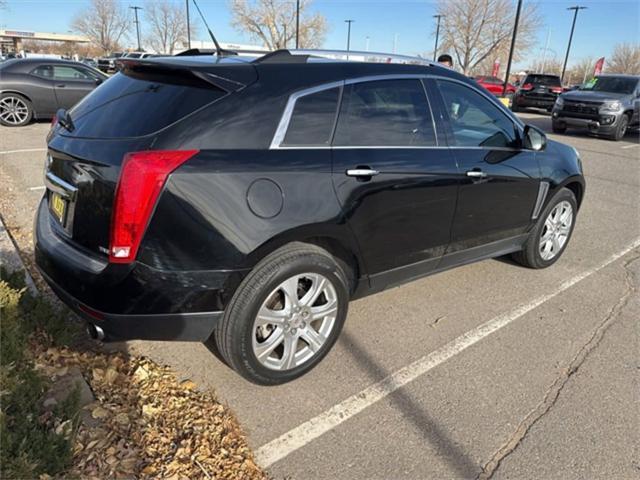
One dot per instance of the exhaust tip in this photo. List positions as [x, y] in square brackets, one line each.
[95, 332]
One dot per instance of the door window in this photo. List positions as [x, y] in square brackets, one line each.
[65, 72]
[44, 71]
[475, 121]
[385, 113]
[313, 118]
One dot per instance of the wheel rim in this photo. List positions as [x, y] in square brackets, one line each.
[294, 321]
[13, 110]
[556, 230]
[623, 127]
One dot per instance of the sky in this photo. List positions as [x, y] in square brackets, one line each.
[407, 23]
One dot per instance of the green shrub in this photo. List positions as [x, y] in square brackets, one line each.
[29, 445]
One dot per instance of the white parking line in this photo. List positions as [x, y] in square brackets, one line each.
[24, 150]
[303, 434]
[41, 187]
[630, 146]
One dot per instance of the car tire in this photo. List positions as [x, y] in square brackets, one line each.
[15, 110]
[558, 128]
[550, 229]
[261, 351]
[621, 129]
[514, 106]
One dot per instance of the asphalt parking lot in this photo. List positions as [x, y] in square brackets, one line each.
[489, 370]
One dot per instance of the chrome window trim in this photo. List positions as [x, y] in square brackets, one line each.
[283, 124]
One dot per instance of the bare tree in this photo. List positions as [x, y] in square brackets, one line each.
[551, 66]
[477, 32]
[274, 22]
[167, 25]
[624, 59]
[105, 22]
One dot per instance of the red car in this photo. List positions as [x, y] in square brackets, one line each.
[495, 85]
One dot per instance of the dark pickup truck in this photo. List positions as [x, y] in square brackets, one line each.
[607, 105]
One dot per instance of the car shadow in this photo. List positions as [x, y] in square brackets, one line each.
[414, 413]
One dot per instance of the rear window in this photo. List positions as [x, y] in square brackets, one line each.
[552, 80]
[312, 119]
[138, 104]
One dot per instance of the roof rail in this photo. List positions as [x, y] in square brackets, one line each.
[310, 55]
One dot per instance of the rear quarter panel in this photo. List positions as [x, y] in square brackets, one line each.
[38, 90]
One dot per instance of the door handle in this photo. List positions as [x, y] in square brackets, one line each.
[362, 172]
[62, 85]
[476, 174]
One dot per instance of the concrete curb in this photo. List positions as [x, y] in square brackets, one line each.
[10, 258]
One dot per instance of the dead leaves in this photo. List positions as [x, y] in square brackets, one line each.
[147, 424]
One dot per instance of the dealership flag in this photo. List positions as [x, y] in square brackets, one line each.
[598, 68]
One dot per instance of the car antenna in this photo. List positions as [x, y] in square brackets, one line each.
[219, 50]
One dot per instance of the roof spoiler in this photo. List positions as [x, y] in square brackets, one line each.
[230, 78]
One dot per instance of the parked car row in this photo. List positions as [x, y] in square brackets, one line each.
[108, 64]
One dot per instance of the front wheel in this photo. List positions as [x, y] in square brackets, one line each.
[621, 129]
[15, 110]
[285, 316]
[549, 238]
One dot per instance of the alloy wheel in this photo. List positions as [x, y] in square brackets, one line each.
[555, 231]
[13, 110]
[294, 321]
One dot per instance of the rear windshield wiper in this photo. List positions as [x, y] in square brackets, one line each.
[64, 120]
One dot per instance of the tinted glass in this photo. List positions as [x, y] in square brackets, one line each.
[64, 72]
[45, 71]
[128, 106]
[552, 80]
[385, 113]
[612, 84]
[313, 118]
[475, 121]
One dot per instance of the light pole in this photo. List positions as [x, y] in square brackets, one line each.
[188, 27]
[349, 22]
[297, 24]
[573, 26]
[513, 46]
[135, 9]
[435, 48]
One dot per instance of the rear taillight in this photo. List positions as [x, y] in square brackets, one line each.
[142, 178]
[556, 89]
[527, 86]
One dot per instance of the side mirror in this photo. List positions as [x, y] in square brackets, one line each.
[534, 138]
[99, 81]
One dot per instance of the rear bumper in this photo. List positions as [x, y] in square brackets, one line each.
[535, 102]
[172, 326]
[131, 301]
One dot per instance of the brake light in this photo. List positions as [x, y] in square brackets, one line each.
[527, 86]
[142, 178]
[556, 89]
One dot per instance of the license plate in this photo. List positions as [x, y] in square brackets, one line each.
[58, 206]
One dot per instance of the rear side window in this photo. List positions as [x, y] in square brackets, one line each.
[551, 80]
[313, 118]
[45, 71]
[385, 113]
[133, 105]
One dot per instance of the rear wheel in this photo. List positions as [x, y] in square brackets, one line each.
[15, 110]
[550, 236]
[285, 316]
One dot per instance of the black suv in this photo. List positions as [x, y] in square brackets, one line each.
[253, 199]
[537, 91]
